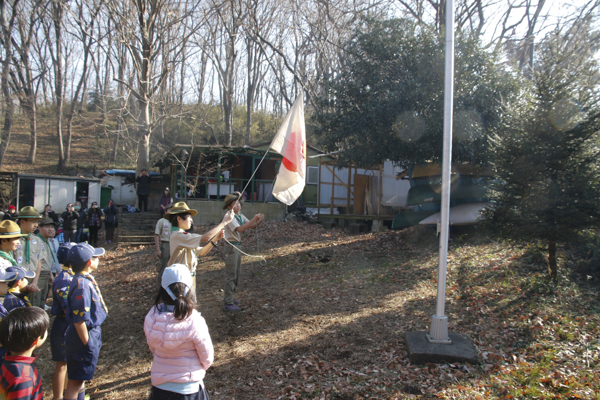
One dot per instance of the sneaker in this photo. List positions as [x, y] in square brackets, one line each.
[236, 301]
[231, 307]
[110, 241]
[105, 242]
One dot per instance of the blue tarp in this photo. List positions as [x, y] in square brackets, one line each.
[125, 172]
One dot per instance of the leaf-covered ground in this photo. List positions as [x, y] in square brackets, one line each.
[325, 317]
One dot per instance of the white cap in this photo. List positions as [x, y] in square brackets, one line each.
[176, 273]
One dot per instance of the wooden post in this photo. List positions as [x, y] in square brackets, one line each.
[319, 190]
[348, 190]
[380, 189]
[332, 189]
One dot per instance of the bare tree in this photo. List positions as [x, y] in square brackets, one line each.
[147, 40]
[225, 27]
[8, 15]
[85, 18]
[23, 80]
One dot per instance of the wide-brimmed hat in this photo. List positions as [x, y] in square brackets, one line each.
[29, 213]
[180, 208]
[47, 221]
[9, 229]
[230, 198]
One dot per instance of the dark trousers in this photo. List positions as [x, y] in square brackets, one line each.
[110, 231]
[159, 394]
[143, 202]
[69, 235]
[94, 235]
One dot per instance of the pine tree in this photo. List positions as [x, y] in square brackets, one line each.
[546, 152]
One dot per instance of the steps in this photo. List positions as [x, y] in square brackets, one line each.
[137, 229]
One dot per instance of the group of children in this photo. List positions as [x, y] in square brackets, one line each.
[176, 333]
[75, 341]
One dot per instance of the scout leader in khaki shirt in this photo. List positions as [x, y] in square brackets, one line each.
[185, 247]
[31, 249]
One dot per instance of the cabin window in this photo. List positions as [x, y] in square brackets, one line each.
[312, 177]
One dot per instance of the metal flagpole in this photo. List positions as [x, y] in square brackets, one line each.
[438, 332]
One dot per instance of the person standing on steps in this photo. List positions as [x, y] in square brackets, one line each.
[70, 218]
[143, 190]
[94, 222]
[165, 200]
[110, 220]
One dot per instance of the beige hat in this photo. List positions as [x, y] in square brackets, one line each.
[29, 213]
[230, 198]
[180, 208]
[9, 230]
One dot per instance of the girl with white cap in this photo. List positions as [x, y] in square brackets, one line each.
[178, 337]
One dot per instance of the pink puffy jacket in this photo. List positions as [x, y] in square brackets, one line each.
[182, 350]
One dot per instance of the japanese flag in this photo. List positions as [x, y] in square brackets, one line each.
[290, 142]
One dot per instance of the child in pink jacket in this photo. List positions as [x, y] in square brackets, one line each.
[179, 339]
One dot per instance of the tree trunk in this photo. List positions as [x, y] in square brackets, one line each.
[31, 110]
[143, 137]
[9, 106]
[57, 7]
[552, 264]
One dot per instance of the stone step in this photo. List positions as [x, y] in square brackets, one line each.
[136, 239]
[125, 244]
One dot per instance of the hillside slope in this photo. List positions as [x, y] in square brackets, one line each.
[90, 147]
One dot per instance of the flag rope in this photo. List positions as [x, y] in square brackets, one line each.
[262, 261]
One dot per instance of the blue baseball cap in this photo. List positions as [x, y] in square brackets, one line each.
[83, 252]
[18, 274]
[63, 253]
[7, 276]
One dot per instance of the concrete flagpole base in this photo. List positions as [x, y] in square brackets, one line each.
[422, 351]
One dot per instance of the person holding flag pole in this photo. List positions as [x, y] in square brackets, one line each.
[290, 142]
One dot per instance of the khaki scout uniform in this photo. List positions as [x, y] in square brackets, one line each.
[233, 257]
[37, 255]
[163, 230]
[184, 250]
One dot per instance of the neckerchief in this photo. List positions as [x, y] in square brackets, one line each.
[239, 219]
[91, 278]
[8, 257]
[27, 257]
[49, 247]
[15, 292]
[174, 229]
[68, 269]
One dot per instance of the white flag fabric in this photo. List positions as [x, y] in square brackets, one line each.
[290, 142]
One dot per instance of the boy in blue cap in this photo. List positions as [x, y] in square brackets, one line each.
[15, 297]
[60, 290]
[85, 313]
[5, 277]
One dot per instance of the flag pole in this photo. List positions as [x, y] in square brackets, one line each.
[438, 331]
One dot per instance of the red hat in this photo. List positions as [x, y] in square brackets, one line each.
[12, 208]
